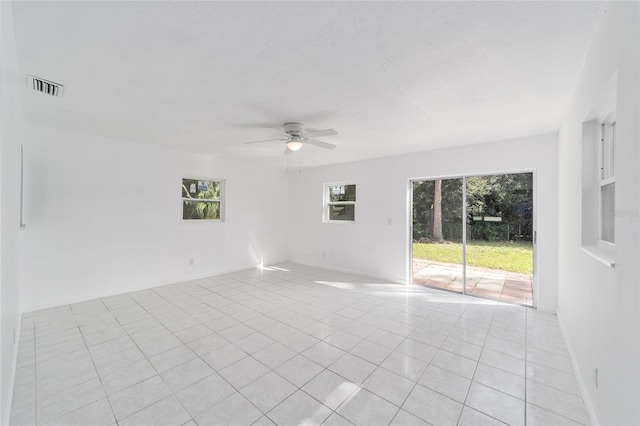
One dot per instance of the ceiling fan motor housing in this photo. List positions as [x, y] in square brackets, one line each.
[294, 129]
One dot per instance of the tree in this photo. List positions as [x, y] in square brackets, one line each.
[437, 212]
[508, 196]
[450, 208]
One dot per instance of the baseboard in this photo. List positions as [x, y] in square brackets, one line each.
[114, 292]
[547, 310]
[6, 415]
[347, 271]
[581, 383]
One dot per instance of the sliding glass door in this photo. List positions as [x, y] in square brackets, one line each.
[475, 235]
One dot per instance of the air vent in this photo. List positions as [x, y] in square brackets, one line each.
[45, 86]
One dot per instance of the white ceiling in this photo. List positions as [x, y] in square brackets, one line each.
[390, 77]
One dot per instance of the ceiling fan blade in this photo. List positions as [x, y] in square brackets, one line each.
[320, 133]
[319, 144]
[278, 130]
[268, 140]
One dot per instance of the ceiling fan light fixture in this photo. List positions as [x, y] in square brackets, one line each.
[294, 145]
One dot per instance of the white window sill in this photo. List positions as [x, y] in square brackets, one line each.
[604, 256]
[339, 221]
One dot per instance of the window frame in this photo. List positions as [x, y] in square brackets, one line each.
[606, 176]
[593, 161]
[220, 200]
[327, 203]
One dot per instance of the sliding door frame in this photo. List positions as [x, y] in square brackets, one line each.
[464, 176]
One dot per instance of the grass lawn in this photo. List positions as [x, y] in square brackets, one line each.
[513, 257]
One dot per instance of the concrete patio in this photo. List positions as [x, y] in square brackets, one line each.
[491, 283]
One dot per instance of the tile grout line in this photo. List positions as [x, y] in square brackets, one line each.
[429, 363]
[493, 388]
[418, 379]
[115, 353]
[136, 345]
[35, 372]
[77, 326]
[232, 343]
[298, 388]
[526, 357]
[350, 396]
[464, 403]
[152, 366]
[97, 374]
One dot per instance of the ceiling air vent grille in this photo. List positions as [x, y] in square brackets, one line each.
[45, 86]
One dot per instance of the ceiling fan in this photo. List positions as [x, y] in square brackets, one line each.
[296, 137]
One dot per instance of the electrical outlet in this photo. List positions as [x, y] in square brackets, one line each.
[191, 262]
[324, 254]
[595, 377]
[389, 221]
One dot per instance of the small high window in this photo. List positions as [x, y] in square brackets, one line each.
[340, 202]
[202, 199]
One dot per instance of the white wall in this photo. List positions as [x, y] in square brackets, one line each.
[598, 306]
[104, 217]
[10, 136]
[372, 246]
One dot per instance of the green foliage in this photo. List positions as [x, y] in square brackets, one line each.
[513, 257]
[507, 196]
[200, 210]
[200, 199]
[486, 231]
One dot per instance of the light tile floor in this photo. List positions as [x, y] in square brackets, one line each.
[291, 345]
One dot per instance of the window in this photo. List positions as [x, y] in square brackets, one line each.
[202, 199]
[607, 182]
[599, 133]
[340, 202]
